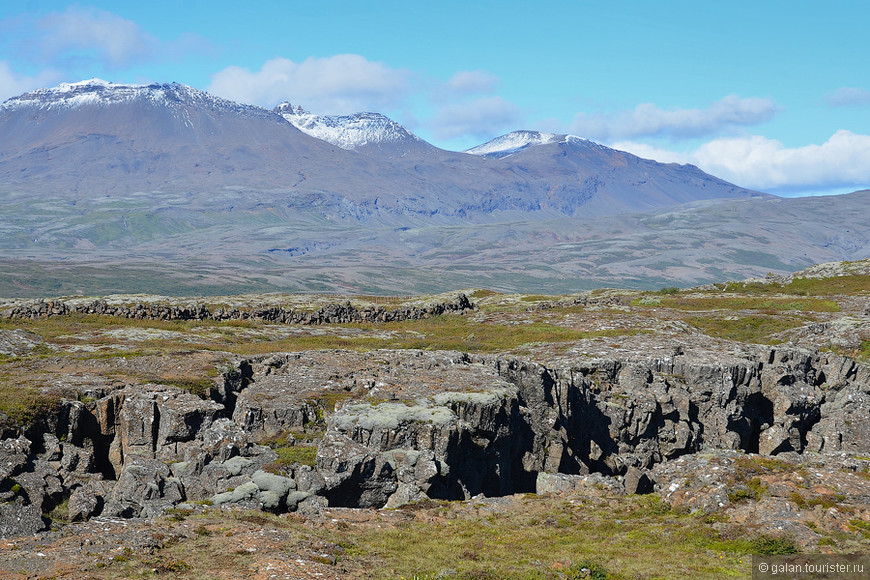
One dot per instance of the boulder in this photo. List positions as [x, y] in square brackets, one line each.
[87, 501]
[19, 519]
[14, 455]
[145, 488]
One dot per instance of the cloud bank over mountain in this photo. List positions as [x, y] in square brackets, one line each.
[648, 120]
[840, 163]
[340, 84]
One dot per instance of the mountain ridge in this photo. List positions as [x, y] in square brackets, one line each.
[515, 141]
[168, 138]
[166, 177]
[355, 132]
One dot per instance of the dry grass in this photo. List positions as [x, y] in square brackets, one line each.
[528, 538]
[851, 285]
[755, 328]
[736, 303]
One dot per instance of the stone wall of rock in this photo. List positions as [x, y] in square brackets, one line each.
[408, 425]
[609, 416]
[336, 313]
[454, 446]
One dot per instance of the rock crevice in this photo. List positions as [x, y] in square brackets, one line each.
[393, 427]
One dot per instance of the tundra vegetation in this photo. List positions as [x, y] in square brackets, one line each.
[693, 524]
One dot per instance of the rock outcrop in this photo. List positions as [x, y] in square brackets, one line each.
[335, 313]
[398, 426]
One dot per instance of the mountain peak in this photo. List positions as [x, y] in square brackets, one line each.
[287, 108]
[94, 82]
[100, 93]
[351, 132]
[516, 141]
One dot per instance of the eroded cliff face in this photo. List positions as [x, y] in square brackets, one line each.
[398, 426]
[607, 416]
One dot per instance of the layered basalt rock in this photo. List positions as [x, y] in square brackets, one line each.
[398, 426]
[335, 313]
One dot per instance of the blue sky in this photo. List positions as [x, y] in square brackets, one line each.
[771, 95]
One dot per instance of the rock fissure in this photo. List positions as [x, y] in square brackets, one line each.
[392, 427]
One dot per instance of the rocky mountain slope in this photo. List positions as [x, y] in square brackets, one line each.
[199, 250]
[134, 407]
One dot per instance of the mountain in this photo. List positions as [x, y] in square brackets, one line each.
[95, 137]
[516, 141]
[357, 132]
[601, 180]
[80, 140]
[103, 177]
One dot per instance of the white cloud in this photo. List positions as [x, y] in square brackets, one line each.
[12, 85]
[756, 162]
[647, 120]
[101, 34]
[349, 83]
[341, 84]
[485, 117]
[473, 81]
[648, 151]
[848, 97]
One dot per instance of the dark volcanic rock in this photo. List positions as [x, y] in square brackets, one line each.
[394, 427]
[145, 488]
[19, 519]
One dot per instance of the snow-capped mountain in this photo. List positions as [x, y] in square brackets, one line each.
[118, 173]
[352, 132]
[93, 137]
[96, 136]
[517, 141]
[97, 92]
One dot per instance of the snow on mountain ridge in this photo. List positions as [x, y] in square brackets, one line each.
[97, 92]
[516, 141]
[346, 131]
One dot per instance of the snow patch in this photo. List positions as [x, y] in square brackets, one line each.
[347, 131]
[519, 140]
[99, 93]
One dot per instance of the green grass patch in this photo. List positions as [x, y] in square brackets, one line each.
[755, 328]
[861, 527]
[753, 489]
[445, 332]
[773, 545]
[734, 303]
[863, 353]
[568, 540]
[850, 285]
[301, 454]
[292, 451]
[537, 298]
[330, 400]
[59, 513]
[826, 501]
[483, 293]
[748, 466]
[22, 405]
[199, 387]
[52, 328]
